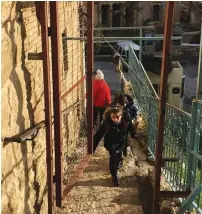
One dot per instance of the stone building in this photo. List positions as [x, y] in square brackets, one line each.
[118, 13]
[24, 174]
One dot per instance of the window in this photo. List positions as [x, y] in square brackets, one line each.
[116, 15]
[156, 13]
[105, 14]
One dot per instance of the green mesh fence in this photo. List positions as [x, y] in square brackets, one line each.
[182, 134]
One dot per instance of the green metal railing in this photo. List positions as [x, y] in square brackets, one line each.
[141, 84]
[182, 135]
[176, 144]
[195, 153]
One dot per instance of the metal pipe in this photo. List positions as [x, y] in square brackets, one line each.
[125, 28]
[73, 87]
[90, 59]
[123, 38]
[140, 52]
[19, 138]
[199, 82]
[190, 45]
[162, 104]
[55, 45]
[42, 15]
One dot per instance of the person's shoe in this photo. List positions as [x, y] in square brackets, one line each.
[115, 181]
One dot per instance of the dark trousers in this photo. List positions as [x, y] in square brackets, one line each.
[125, 148]
[115, 153]
[97, 110]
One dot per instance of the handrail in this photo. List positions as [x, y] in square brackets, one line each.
[150, 84]
[177, 109]
[19, 138]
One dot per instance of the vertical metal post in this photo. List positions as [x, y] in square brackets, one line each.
[192, 147]
[42, 15]
[140, 52]
[199, 83]
[90, 53]
[83, 62]
[55, 45]
[162, 103]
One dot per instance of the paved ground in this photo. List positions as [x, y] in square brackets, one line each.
[95, 194]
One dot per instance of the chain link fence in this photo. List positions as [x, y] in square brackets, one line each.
[73, 87]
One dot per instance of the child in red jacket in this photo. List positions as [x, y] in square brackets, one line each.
[101, 95]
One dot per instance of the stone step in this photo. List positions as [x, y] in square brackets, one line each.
[101, 207]
[94, 192]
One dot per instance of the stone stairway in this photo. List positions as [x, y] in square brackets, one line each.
[95, 194]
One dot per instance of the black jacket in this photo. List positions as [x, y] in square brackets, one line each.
[114, 133]
[131, 108]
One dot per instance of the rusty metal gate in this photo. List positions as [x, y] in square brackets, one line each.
[69, 94]
[65, 85]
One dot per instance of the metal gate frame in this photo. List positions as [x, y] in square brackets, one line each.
[42, 16]
[53, 32]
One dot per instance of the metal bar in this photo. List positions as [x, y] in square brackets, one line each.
[73, 87]
[55, 45]
[77, 174]
[190, 199]
[174, 194]
[42, 15]
[198, 156]
[122, 38]
[140, 52]
[192, 158]
[103, 41]
[125, 28]
[19, 138]
[162, 104]
[90, 59]
[189, 45]
[191, 33]
[199, 82]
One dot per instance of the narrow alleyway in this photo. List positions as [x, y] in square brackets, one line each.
[94, 192]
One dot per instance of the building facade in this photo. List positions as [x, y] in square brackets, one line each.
[128, 14]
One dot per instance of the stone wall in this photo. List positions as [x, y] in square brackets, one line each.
[24, 188]
[23, 165]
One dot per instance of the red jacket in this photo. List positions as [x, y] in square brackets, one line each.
[101, 93]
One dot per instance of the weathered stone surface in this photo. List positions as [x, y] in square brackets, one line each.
[24, 188]
[94, 192]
